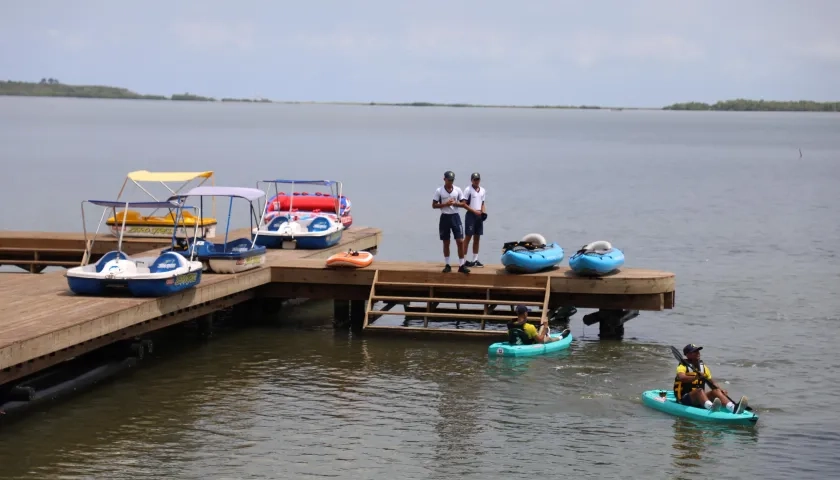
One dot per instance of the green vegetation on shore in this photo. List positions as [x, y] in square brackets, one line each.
[50, 87]
[744, 105]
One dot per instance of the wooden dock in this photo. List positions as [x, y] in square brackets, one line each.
[35, 251]
[43, 323]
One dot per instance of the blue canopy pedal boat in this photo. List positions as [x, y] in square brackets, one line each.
[596, 259]
[116, 271]
[531, 254]
[282, 227]
[232, 256]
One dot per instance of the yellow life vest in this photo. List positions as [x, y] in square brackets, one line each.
[681, 388]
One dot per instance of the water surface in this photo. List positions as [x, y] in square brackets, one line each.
[720, 198]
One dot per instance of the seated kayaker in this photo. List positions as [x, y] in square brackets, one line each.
[527, 334]
[691, 389]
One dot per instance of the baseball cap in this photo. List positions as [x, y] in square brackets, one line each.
[521, 309]
[475, 176]
[449, 175]
[691, 348]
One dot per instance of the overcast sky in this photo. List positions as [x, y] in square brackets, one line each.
[607, 52]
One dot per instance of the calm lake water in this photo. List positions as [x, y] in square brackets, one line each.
[721, 199]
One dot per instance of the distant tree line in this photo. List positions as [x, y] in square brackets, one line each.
[52, 87]
[744, 105]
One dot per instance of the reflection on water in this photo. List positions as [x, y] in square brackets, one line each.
[693, 439]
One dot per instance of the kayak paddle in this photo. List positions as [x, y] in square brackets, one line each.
[708, 380]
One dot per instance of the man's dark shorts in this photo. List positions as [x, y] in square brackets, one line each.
[686, 400]
[450, 222]
[473, 224]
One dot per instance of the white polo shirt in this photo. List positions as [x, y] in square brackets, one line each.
[475, 199]
[442, 196]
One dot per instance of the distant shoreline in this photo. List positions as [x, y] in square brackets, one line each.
[53, 88]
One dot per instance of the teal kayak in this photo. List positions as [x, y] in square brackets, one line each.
[505, 349]
[668, 404]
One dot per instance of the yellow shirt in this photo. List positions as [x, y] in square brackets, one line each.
[530, 330]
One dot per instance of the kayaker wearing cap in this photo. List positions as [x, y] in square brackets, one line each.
[474, 196]
[448, 198]
[691, 389]
[519, 328]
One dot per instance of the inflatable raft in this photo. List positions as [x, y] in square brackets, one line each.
[505, 349]
[351, 259]
[665, 401]
[597, 258]
[531, 254]
[324, 202]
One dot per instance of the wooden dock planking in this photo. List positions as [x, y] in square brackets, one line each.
[41, 316]
[628, 281]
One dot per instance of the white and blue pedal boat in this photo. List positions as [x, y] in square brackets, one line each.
[311, 230]
[118, 272]
[596, 259]
[531, 254]
[232, 256]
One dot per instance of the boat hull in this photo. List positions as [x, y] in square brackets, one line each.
[310, 232]
[522, 260]
[596, 264]
[505, 349]
[117, 273]
[233, 257]
[304, 242]
[669, 405]
[162, 231]
[158, 287]
[235, 265]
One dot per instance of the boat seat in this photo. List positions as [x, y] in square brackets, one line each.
[165, 263]
[318, 224]
[276, 223]
[112, 255]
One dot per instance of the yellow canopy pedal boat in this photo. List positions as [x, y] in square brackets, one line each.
[161, 226]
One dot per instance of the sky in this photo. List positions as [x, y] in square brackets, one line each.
[633, 53]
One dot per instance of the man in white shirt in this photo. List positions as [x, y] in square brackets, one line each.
[448, 198]
[474, 197]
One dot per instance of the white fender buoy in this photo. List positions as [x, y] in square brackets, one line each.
[534, 238]
[598, 246]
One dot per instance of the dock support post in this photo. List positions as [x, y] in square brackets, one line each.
[357, 314]
[341, 314]
[611, 322]
[205, 325]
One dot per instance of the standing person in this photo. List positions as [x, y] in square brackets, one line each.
[474, 196]
[448, 198]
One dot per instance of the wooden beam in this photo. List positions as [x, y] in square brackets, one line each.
[319, 291]
[426, 332]
[652, 302]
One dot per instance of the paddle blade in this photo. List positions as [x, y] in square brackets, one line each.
[565, 333]
[677, 355]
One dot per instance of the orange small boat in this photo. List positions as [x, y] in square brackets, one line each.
[350, 259]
